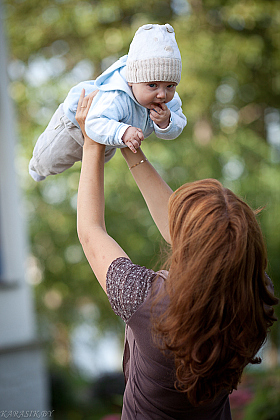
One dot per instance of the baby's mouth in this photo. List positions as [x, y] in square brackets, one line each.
[156, 104]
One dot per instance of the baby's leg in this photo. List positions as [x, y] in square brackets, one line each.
[57, 148]
[109, 153]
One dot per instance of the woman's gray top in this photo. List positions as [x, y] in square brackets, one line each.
[150, 393]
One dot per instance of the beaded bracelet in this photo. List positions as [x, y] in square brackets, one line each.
[136, 164]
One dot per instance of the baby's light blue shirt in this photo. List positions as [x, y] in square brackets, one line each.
[114, 109]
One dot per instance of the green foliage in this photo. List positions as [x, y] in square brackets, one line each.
[230, 92]
[266, 402]
[73, 397]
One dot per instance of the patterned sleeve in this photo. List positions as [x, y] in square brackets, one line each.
[127, 285]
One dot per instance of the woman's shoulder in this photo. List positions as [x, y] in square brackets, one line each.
[124, 267]
[128, 285]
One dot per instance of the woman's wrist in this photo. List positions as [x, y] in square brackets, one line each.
[93, 151]
[133, 159]
[89, 143]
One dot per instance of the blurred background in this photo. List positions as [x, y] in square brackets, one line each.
[54, 316]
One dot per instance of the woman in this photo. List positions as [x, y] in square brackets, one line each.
[190, 331]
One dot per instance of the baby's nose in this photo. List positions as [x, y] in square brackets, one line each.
[161, 93]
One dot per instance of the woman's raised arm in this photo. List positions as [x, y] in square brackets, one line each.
[154, 189]
[100, 248]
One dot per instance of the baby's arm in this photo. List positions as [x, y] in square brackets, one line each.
[177, 121]
[132, 138]
[105, 120]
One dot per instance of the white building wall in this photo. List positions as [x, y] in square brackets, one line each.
[23, 384]
[16, 312]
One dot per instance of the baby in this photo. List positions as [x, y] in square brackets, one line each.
[135, 96]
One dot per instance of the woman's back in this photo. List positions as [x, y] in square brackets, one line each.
[150, 374]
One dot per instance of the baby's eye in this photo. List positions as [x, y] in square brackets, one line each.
[152, 85]
[171, 86]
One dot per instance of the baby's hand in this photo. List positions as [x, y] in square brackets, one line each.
[133, 137]
[160, 115]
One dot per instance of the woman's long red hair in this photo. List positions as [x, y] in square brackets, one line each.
[220, 306]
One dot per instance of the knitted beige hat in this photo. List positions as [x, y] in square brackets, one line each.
[154, 55]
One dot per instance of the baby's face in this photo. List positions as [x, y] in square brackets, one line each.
[149, 94]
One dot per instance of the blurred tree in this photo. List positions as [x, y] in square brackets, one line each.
[230, 91]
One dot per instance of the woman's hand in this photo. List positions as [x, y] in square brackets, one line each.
[83, 107]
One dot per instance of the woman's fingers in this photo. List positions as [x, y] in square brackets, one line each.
[81, 98]
[82, 109]
[84, 102]
[93, 94]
